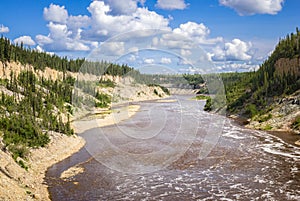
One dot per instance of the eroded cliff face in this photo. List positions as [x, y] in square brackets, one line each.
[281, 116]
[127, 90]
[7, 67]
[17, 183]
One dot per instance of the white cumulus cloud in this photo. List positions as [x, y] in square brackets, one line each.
[76, 46]
[165, 60]
[123, 7]
[78, 21]
[58, 31]
[112, 48]
[237, 66]
[197, 32]
[26, 40]
[41, 39]
[64, 31]
[60, 39]
[109, 18]
[148, 61]
[251, 7]
[171, 4]
[3, 29]
[236, 50]
[56, 13]
[105, 24]
[218, 54]
[186, 37]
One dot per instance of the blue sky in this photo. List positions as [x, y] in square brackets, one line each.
[237, 35]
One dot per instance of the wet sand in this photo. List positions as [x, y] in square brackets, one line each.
[117, 115]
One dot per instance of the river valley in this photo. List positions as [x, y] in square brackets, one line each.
[176, 151]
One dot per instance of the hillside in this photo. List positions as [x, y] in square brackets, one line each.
[40, 97]
[269, 97]
[37, 93]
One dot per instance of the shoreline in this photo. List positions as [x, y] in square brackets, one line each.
[19, 184]
[115, 116]
[118, 114]
[286, 135]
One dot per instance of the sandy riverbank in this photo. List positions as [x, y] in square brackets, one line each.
[93, 121]
[19, 184]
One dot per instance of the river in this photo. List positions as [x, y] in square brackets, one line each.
[176, 151]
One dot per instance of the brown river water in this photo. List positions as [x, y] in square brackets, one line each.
[176, 151]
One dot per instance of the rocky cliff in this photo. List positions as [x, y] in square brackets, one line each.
[281, 116]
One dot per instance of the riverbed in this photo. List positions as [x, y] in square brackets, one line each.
[173, 150]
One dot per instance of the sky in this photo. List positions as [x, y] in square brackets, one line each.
[235, 35]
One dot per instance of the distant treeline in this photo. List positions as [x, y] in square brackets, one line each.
[39, 60]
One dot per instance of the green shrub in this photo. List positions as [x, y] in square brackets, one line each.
[201, 97]
[22, 164]
[267, 127]
[103, 100]
[21, 130]
[106, 83]
[251, 110]
[164, 89]
[264, 118]
[208, 105]
[203, 90]
[18, 151]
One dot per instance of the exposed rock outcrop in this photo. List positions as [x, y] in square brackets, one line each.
[281, 116]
